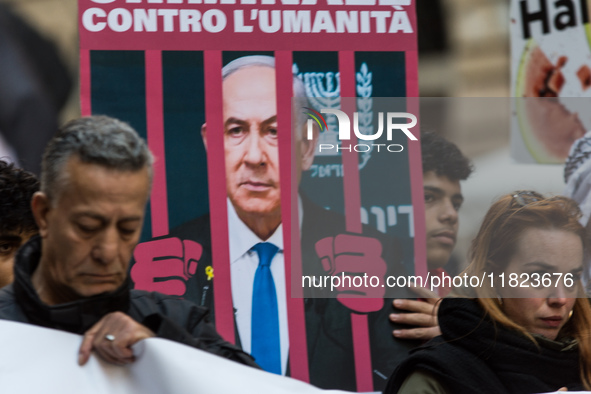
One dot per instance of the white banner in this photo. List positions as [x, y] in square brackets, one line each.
[41, 360]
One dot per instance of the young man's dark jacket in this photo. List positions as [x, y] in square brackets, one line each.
[169, 317]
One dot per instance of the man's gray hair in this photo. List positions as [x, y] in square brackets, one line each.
[299, 89]
[100, 140]
[247, 61]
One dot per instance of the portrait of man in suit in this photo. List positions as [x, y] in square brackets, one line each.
[253, 189]
[256, 245]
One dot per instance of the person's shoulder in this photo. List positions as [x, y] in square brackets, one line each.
[147, 303]
[9, 309]
[436, 358]
[154, 297]
[7, 296]
[422, 382]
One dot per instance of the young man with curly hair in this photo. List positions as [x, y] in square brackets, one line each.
[444, 166]
[17, 224]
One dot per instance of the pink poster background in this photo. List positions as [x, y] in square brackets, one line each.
[127, 25]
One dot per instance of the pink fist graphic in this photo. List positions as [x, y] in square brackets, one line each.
[353, 261]
[164, 265]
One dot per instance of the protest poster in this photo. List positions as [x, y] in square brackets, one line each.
[157, 64]
[161, 366]
[550, 78]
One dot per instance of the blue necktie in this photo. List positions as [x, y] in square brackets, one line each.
[265, 345]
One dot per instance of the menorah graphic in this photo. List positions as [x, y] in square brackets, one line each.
[323, 91]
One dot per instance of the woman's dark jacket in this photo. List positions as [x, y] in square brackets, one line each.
[475, 355]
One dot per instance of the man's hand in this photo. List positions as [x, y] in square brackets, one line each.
[424, 315]
[112, 338]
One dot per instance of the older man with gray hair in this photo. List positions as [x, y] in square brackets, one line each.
[95, 183]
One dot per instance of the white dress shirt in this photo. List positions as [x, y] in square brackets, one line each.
[243, 266]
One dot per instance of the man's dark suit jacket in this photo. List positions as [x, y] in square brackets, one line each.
[328, 322]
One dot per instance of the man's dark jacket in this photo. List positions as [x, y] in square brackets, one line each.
[328, 322]
[168, 317]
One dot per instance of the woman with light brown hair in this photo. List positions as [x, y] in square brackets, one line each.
[526, 327]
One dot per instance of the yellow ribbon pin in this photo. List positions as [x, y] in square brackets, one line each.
[209, 272]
